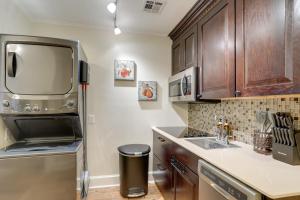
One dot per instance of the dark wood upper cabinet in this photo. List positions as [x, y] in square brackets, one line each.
[243, 47]
[189, 41]
[268, 47]
[184, 51]
[177, 56]
[216, 52]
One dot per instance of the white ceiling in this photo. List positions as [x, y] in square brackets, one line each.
[93, 13]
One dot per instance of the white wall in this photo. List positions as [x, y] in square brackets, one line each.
[120, 118]
[12, 21]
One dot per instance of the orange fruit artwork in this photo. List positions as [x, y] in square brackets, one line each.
[148, 92]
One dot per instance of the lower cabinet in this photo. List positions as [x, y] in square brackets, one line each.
[174, 170]
[185, 182]
[163, 177]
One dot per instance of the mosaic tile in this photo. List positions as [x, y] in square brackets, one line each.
[241, 112]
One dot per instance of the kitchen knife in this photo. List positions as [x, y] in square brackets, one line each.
[280, 140]
[292, 137]
[297, 143]
[286, 135]
[278, 120]
[274, 135]
[273, 119]
[289, 122]
[283, 136]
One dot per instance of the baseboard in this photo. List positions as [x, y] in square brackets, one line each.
[108, 181]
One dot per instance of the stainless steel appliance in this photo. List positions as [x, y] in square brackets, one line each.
[39, 75]
[183, 86]
[215, 184]
[43, 98]
[40, 170]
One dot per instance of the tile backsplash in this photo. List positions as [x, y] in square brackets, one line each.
[241, 112]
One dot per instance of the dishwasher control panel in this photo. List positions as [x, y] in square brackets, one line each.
[224, 184]
[214, 184]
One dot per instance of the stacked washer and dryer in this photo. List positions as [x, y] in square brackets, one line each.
[43, 84]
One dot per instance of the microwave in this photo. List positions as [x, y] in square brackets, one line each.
[183, 86]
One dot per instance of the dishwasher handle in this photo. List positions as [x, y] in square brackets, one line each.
[219, 190]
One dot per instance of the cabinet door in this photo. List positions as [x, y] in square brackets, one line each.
[163, 178]
[186, 184]
[189, 42]
[177, 56]
[162, 148]
[216, 52]
[268, 47]
[184, 51]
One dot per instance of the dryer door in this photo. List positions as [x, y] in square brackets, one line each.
[33, 69]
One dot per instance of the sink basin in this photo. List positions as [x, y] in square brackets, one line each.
[210, 143]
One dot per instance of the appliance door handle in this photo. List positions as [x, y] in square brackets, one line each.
[11, 64]
[217, 188]
[181, 86]
[221, 191]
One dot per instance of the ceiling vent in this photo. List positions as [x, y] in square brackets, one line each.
[154, 6]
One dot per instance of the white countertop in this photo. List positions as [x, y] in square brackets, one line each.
[270, 177]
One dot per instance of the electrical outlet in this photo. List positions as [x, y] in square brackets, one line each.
[91, 119]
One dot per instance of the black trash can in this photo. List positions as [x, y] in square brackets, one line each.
[134, 164]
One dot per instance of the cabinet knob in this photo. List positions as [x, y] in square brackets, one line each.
[237, 93]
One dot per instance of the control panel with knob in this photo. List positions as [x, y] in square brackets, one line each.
[27, 108]
[70, 103]
[17, 105]
[36, 108]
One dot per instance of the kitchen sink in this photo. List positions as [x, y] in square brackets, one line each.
[210, 143]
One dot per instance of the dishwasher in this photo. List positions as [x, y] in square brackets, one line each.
[215, 184]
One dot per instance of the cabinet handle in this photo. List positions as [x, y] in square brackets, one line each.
[161, 139]
[237, 93]
[178, 167]
[160, 167]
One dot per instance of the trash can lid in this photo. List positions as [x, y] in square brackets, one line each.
[134, 149]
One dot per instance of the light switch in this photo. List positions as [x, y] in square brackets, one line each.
[91, 119]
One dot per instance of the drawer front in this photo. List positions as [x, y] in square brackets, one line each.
[162, 148]
[185, 157]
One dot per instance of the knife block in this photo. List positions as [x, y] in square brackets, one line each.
[287, 154]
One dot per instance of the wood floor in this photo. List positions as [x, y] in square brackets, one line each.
[113, 193]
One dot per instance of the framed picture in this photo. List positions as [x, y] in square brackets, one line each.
[147, 90]
[124, 70]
